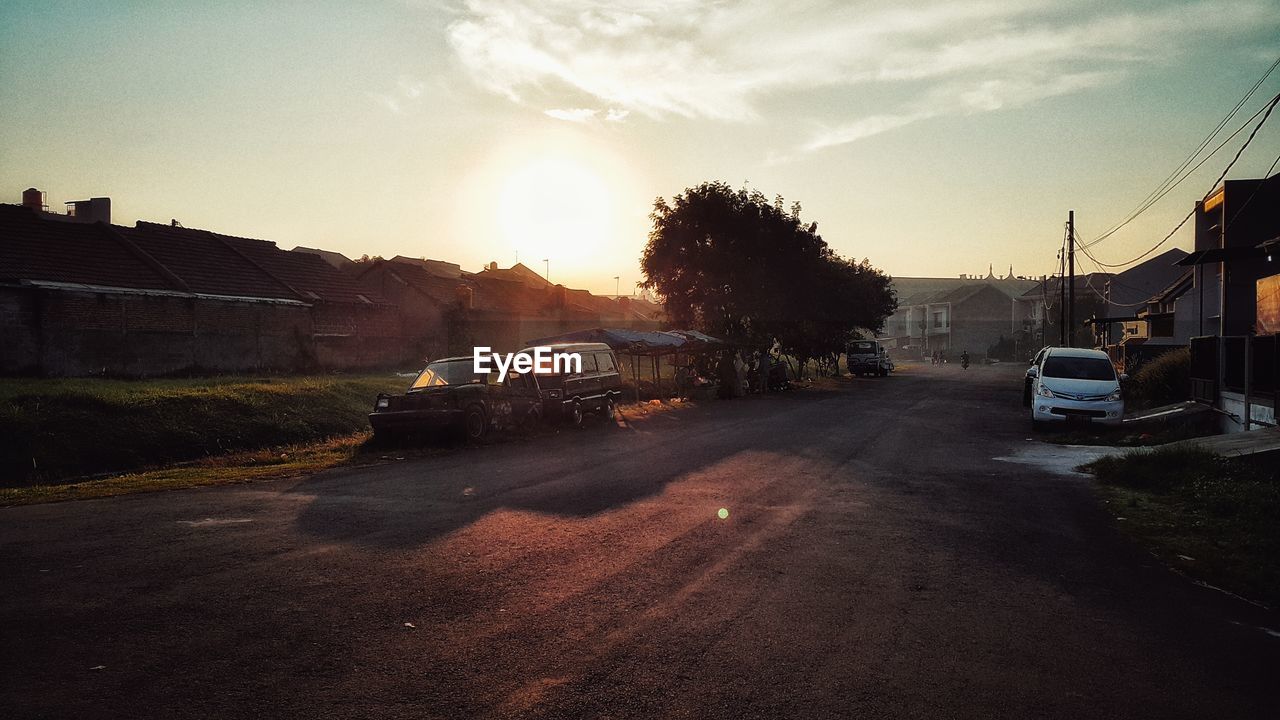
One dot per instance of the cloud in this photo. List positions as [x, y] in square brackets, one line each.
[586, 115]
[577, 115]
[728, 61]
[407, 93]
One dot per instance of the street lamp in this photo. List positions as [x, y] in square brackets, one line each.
[547, 273]
[617, 286]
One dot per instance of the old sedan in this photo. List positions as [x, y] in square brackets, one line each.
[449, 396]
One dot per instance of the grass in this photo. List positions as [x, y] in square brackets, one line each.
[68, 428]
[1210, 517]
[265, 463]
[270, 464]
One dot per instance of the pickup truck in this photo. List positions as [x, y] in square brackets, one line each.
[866, 357]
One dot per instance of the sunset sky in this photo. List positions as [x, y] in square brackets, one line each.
[932, 138]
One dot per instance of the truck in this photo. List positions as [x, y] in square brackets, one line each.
[867, 357]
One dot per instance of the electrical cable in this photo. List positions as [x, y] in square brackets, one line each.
[1270, 106]
[1164, 187]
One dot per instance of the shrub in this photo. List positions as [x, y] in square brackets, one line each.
[1157, 469]
[1162, 381]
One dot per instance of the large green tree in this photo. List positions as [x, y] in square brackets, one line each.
[733, 264]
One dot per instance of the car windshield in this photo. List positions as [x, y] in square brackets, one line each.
[448, 372]
[1079, 368]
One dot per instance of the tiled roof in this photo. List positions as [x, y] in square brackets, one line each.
[206, 264]
[439, 288]
[35, 248]
[151, 256]
[306, 273]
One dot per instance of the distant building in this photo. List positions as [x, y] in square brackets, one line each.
[951, 315]
[336, 259]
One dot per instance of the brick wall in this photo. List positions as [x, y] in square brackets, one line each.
[69, 333]
[19, 342]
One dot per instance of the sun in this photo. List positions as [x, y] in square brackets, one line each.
[555, 207]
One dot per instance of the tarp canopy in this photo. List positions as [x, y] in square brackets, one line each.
[638, 342]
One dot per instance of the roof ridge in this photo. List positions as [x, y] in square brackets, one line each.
[244, 256]
[144, 256]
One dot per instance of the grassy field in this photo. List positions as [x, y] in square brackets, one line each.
[1212, 518]
[67, 428]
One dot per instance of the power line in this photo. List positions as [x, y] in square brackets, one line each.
[1270, 106]
[1164, 187]
[1252, 195]
[1180, 180]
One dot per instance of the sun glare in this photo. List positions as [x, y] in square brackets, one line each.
[555, 207]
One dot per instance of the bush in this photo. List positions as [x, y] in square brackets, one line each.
[1162, 381]
[1156, 469]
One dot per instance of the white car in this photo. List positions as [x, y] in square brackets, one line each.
[1070, 384]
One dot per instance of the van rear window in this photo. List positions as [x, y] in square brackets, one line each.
[605, 362]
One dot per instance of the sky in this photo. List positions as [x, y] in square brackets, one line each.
[932, 138]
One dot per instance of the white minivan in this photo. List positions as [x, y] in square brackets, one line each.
[1070, 384]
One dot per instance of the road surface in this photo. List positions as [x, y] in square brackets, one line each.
[875, 562]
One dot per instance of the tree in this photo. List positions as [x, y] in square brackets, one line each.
[733, 264]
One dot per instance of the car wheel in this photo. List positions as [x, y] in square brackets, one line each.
[575, 414]
[474, 424]
[610, 409]
[1037, 425]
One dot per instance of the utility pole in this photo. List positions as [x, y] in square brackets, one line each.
[547, 273]
[1062, 299]
[617, 286]
[1071, 289]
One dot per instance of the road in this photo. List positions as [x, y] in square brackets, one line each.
[875, 562]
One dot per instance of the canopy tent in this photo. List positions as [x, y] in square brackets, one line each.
[641, 343]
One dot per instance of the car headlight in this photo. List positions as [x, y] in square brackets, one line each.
[1045, 392]
[382, 404]
[1115, 396]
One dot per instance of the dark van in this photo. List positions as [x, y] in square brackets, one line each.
[570, 396]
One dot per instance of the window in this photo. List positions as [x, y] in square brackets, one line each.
[1078, 368]
[604, 361]
[453, 372]
[939, 319]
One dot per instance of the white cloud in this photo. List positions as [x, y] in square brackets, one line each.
[577, 115]
[688, 58]
[407, 93]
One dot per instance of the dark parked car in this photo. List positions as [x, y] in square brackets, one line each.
[596, 389]
[448, 395]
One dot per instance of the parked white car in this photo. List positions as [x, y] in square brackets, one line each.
[1070, 384]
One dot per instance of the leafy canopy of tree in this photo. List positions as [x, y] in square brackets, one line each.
[735, 265]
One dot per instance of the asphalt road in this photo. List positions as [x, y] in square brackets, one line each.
[876, 562]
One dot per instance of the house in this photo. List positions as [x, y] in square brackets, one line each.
[952, 315]
[1234, 356]
[82, 298]
[1120, 326]
[445, 310]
